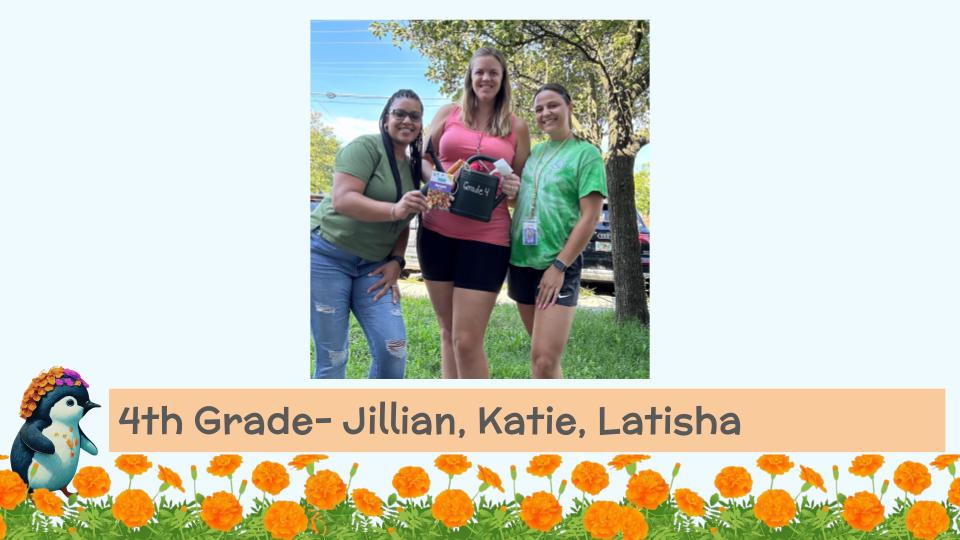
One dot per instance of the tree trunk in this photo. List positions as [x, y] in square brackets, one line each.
[631, 296]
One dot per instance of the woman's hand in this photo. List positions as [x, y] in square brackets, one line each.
[549, 288]
[412, 202]
[510, 185]
[390, 272]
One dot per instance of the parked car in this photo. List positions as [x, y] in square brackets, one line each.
[597, 256]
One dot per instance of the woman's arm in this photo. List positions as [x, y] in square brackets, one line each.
[552, 280]
[523, 147]
[590, 207]
[435, 132]
[349, 200]
[390, 270]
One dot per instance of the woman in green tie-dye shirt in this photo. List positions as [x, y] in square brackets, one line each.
[561, 195]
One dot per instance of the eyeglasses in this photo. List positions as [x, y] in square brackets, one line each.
[401, 115]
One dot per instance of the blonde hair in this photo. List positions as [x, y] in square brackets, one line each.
[502, 123]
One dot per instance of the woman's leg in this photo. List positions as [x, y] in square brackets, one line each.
[441, 296]
[382, 323]
[551, 330]
[471, 314]
[329, 310]
[438, 255]
[527, 314]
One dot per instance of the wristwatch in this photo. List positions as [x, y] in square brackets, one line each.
[558, 264]
[400, 260]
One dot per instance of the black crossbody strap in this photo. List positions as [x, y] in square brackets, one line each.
[388, 147]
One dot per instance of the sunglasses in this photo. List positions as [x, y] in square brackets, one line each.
[401, 115]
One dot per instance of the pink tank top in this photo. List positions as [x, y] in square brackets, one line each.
[460, 142]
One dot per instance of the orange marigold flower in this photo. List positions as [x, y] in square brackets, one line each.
[284, 520]
[367, 502]
[133, 464]
[270, 477]
[171, 478]
[733, 482]
[866, 465]
[13, 490]
[634, 524]
[689, 502]
[411, 482]
[487, 476]
[647, 489]
[775, 507]
[91, 482]
[452, 463]
[544, 464]
[541, 511]
[603, 519]
[325, 490]
[224, 465]
[812, 477]
[774, 463]
[453, 508]
[912, 477]
[945, 460]
[953, 495]
[301, 461]
[47, 502]
[863, 511]
[622, 460]
[221, 511]
[927, 519]
[590, 477]
[3, 528]
[133, 508]
[3, 457]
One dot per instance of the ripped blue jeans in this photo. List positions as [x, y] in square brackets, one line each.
[338, 285]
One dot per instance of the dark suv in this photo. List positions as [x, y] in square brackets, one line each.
[598, 256]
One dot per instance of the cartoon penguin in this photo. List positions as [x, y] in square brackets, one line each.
[47, 450]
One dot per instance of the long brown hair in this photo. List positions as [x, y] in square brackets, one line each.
[502, 123]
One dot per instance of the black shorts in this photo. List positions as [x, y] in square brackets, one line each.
[523, 282]
[467, 263]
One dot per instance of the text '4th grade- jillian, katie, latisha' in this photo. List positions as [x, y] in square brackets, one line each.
[393, 418]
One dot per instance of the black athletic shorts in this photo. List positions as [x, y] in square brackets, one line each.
[467, 263]
[523, 282]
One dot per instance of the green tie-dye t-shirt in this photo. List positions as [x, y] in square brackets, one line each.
[569, 173]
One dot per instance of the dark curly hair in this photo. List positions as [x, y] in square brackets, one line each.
[415, 147]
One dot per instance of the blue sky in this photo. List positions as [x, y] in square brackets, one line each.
[352, 73]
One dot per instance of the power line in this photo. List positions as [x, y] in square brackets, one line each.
[339, 31]
[358, 62]
[351, 43]
[334, 95]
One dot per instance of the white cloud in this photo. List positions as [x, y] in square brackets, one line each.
[347, 129]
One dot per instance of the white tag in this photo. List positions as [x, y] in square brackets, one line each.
[530, 232]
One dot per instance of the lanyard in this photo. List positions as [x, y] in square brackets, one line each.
[536, 177]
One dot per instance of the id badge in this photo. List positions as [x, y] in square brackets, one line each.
[530, 232]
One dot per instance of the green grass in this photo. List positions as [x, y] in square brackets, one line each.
[599, 347]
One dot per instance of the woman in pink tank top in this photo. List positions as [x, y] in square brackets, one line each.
[464, 261]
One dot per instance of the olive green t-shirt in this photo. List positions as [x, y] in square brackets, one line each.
[365, 158]
[568, 172]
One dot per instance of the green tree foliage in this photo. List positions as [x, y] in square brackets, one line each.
[641, 187]
[323, 150]
[604, 65]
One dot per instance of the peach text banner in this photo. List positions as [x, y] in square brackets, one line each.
[527, 420]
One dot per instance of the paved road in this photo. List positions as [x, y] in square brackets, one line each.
[414, 287]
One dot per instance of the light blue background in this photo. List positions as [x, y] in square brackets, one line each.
[154, 179]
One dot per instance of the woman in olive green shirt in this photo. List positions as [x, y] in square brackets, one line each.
[358, 237]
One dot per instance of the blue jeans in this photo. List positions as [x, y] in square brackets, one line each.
[338, 285]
